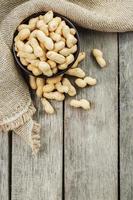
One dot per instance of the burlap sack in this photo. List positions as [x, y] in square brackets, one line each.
[16, 108]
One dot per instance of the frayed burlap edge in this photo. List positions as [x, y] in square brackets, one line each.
[20, 121]
[35, 138]
[13, 124]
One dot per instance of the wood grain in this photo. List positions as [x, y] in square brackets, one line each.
[39, 178]
[4, 166]
[126, 115]
[91, 137]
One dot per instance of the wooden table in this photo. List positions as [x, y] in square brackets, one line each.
[84, 155]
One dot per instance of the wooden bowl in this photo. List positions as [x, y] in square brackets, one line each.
[24, 68]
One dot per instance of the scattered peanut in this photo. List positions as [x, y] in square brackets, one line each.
[32, 82]
[86, 81]
[54, 95]
[99, 57]
[48, 88]
[71, 88]
[78, 72]
[61, 88]
[47, 106]
[80, 104]
[54, 80]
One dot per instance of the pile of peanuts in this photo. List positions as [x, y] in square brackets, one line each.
[46, 44]
[55, 88]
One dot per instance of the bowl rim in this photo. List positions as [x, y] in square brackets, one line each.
[60, 72]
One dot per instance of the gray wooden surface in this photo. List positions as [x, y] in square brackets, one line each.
[126, 115]
[84, 155]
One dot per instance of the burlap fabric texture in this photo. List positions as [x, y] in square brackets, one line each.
[16, 109]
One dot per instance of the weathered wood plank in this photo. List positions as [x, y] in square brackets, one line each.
[91, 137]
[126, 115]
[4, 167]
[39, 178]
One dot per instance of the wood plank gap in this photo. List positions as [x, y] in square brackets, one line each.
[63, 153]
[10, 165]
[118, 119]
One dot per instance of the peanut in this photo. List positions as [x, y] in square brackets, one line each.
[23, 26]
[39, 91]
[54, 80]
[47, 106]
[52, 64]
[54, 95]
[67, 51]
[27, 48]
[55, 70]
[51, 55]
[40, 82]
[78, 72]
[48, 88]
[47, 41]
[19, 45]
[69, 60]
[72, 31]
[43, 27]
[59, 28]
[59, 46]
[70, 39]
[71, 89]
[37, 49]
[61, 88]
[33, 34]
[48, 17]
[80, 104]
[33, 62]
[36, 71]
[90, 81]
[32, 82]
[30, 67]
[23, 54]
[55, 36]
[81, 57]
[53, 24]
[99, 57]
[24, 34]
[32, 23]
[45, 68]
[23, 61]
[86, 81]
